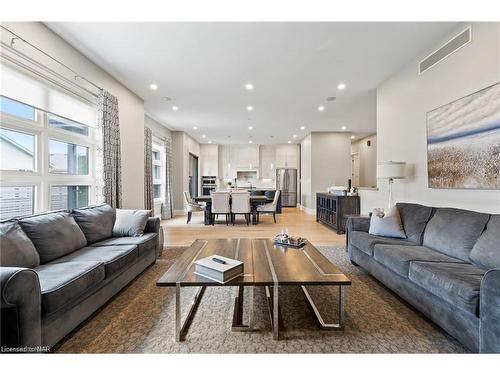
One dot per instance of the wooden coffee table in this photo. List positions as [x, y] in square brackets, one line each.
[265, 265]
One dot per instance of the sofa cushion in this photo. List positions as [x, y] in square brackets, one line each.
[387, 226]
[486, 251]
[62, 283]
[130, 223]
[145, 243]
[454, 232]
[398, 257]
[456, 283]
[96, 222]
[365, 241]
[54, 234]
[414, 218]
[115, 258]
[17, 249]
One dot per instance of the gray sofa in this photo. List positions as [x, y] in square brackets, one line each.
[448, 268]
[58, 268]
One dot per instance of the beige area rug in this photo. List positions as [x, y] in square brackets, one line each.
[141, 318]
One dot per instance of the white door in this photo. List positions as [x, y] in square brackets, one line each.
[355, 169]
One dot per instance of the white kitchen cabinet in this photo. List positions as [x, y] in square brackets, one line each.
[209, 160]
[267, 161]
[227, 168]
[287, 156]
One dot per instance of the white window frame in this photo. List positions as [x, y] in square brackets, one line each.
[41, 178]
[159, 145]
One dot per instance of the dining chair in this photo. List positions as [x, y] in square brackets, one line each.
[192, 206]
[269, 208]
[240, 205]
[220, 205]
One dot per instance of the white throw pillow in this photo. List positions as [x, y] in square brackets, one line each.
[387, 226]
[130, 223]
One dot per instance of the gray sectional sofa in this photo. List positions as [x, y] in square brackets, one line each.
[448, 268]
[58, 268]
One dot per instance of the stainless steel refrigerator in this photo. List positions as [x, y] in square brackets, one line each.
[286, 181]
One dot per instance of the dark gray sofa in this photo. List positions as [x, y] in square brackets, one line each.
[448, 268]
[58, 268]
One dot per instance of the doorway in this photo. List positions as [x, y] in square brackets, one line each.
[193, 175]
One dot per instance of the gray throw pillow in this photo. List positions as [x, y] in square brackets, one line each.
[54, 234]
[387, 226]
[130, 223]
[17, 248]
[96, 222]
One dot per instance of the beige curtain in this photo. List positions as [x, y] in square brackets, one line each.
[148, 170]
[108, 151]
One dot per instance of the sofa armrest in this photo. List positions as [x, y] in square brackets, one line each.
[361, 224]
[21, 295]
[489, 325]
[153, 226]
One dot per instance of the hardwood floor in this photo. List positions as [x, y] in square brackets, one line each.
[178, 233]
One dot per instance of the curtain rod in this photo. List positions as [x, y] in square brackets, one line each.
[76, 75]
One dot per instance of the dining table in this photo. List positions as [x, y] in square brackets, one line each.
[255, 200]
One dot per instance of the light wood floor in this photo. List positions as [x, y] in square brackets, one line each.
[178, 233]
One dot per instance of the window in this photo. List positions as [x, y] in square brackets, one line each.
[17, 151]
[68, 158]
[17, 109]
[68, 197]
[67, 125]
[16, 201]
[47, 161]
[158, 169]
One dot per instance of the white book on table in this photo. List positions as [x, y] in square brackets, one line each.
[221, 272]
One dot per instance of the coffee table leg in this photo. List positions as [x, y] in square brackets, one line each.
[331, 326]
[276, 335]
[181, 328]
[237, 324]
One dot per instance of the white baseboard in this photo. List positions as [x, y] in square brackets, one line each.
[309, 211]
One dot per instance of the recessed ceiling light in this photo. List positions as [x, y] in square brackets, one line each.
[250, 127]
[195, 127]
[341, 86]
[203, 136]
[249, 86]
[353, 136]
[153, 86]
[289, 141]
[250, 141]
[302, 128]
[343, 128]
[321, 108]
[209, 141]
[249, 108]
[294, 136]
[175, 108]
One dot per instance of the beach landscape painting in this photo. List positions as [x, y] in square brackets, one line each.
[463, 142]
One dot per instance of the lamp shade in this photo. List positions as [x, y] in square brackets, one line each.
[391, 170]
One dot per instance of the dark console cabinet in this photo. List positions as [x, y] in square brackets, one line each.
[331, 209]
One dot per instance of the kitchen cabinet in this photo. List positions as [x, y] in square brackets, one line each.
[287, 156]
[267, 161]
[237, 157]
[209, 160]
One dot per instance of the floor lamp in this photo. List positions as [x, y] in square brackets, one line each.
[391, 170]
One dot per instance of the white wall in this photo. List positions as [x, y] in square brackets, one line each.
[367, 160]
[326, 161]
[402, 103]
[182, 146]
[157, 128]
[131, 107]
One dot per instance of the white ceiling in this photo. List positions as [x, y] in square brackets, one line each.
[203, 67]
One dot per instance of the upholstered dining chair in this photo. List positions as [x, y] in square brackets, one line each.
[220, 205]
[192, 206]
[240, 205]
[269, 208]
